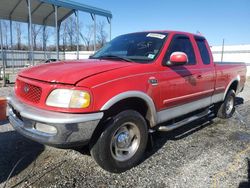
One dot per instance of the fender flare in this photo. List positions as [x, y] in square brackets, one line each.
[237, 78]
[134, 94]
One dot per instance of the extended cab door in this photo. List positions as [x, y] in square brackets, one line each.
[207, 82]
[183, 86]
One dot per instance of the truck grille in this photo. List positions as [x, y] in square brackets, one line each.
[28, 92]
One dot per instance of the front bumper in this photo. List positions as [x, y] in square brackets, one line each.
[70, 129]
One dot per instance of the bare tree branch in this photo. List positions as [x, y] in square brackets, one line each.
[86, 37]
[71, 31]
[45, 38]
[101, 34]
[18, 35]
[5, 33]
[35, 32]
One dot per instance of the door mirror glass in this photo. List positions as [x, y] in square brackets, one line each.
[178, 58]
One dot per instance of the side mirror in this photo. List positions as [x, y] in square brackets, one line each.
[178, 58]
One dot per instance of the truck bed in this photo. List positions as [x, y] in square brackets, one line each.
[230, 71]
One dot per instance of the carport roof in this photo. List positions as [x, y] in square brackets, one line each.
[43, 10]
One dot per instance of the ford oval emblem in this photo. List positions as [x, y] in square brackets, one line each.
[26, 88]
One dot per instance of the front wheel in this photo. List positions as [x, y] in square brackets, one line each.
[227, 107]
[122, 143]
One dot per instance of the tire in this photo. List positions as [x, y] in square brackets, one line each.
[226, 109]
[122, 143]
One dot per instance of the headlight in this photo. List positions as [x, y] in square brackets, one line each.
[68, 98]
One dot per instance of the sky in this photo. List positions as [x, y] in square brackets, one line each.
[215, 19]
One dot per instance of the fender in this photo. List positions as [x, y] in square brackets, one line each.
[237, 78]
[151, 116]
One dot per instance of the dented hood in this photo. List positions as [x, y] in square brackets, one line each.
[70, 72]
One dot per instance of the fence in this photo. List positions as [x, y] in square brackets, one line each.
[233, 53]
[82, 55]
[21, 58]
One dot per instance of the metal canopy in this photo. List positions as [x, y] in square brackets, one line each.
[43, 11]
[46, 13]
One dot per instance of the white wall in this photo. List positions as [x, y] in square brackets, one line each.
[82, 55]
[233, 53]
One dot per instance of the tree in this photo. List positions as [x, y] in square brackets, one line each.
[45, 37]
[18, 35]
[5, 34]
[101, 34]
[64, 35]
[86, 37]
[35, 32]
[71, 28]
[69, 35]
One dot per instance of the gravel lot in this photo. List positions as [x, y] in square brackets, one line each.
[208, 153]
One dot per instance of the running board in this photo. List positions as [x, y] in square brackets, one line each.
[184, 121]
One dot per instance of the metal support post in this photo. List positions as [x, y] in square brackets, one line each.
[30, 32]
[57, 32]
[2, 52]
[78, 33]
[110, 30]
[222, 50]
[44, 42]
[11, 45]
[94, 17]
[29, 53]
[58, 41]
[109, 21]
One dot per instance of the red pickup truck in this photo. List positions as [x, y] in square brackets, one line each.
[126, 90]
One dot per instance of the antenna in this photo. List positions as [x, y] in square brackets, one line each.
[199, 33]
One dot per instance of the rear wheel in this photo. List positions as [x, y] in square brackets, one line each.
[123, 142]
[227, 107]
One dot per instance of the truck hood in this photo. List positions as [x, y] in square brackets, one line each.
[70, 72]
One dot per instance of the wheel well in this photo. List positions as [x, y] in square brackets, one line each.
[233, 86]
[132, 103]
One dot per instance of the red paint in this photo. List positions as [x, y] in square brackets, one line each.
[3, 106]
[178, 58]
[104, 79]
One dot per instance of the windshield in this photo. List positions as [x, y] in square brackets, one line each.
[136, 47]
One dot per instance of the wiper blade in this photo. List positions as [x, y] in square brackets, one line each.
[115, 57]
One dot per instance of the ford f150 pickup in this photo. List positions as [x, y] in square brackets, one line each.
[127, 89]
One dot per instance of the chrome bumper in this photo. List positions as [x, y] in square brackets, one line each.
[70, 129]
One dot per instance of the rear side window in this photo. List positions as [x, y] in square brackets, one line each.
[181, 43]
[203, 51]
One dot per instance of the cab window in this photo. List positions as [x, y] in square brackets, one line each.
[203, 50]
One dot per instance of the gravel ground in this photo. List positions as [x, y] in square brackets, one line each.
[5, 91]
[208, 153]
